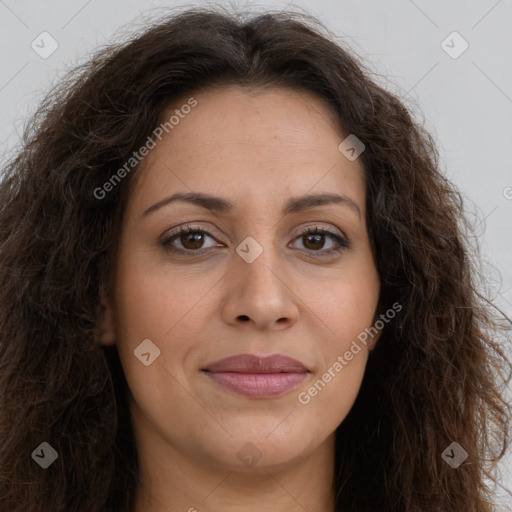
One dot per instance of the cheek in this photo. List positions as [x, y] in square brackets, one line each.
[149, 308]
[328, 399]
[152, 301]
[344, 309]
[168, 309]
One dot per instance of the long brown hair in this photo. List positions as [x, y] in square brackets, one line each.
[435, 376]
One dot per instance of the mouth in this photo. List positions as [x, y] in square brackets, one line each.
[256, 377]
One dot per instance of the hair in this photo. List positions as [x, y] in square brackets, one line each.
[436, 374]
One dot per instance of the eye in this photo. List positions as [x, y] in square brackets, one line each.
[314, 239]
[192, 239]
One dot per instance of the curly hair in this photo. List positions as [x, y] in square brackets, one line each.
[436, 374]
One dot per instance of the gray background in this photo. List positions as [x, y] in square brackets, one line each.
[466, 102]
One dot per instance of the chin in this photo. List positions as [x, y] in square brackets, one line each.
[258, 452]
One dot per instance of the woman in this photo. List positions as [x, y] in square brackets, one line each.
[234, 278]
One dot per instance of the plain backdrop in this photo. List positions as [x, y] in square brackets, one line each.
[460, 85]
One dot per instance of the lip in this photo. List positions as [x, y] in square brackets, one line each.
[257, 377]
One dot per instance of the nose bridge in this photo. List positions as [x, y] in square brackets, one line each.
[259, 260]
[257, 241]
[257, 288]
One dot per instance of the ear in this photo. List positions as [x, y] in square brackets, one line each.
[106, 324]
[380, 326]
[373, 341]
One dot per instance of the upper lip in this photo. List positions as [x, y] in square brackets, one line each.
[249, 363]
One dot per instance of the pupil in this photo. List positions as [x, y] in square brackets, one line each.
[319, 237]
[194, 238]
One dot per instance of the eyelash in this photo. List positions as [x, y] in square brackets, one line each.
[343, 243]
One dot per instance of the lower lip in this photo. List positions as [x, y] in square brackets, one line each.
[257, 385]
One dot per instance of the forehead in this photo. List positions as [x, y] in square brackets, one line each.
[250, 144]
[276, 116]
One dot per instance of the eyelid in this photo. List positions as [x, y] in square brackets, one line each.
[209, 230]
[213, 230]
[321, 225]
[338, 237]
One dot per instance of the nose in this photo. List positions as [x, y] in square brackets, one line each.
[260, 293]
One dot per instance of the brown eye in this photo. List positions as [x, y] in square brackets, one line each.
[314, 239]
[190, 238]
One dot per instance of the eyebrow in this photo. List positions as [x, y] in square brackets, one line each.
[219, 204]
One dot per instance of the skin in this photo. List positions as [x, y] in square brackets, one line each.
[257, 151]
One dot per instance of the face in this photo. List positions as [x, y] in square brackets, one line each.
[250, 277]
